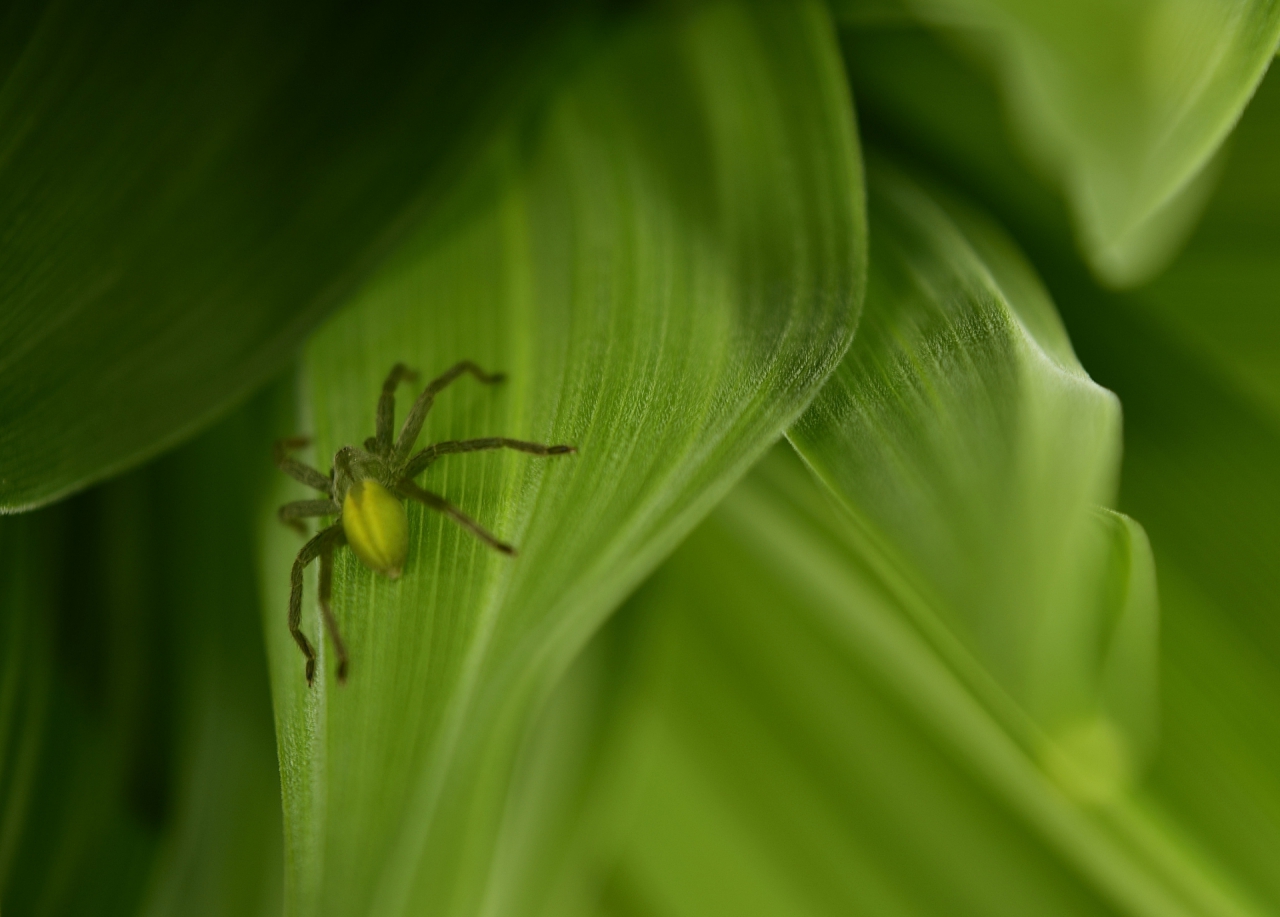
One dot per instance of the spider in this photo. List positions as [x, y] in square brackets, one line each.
[365, 490]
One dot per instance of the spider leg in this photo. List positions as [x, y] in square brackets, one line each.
[426, 456]
[387, 408]
[418, 413]
[291, 513]
[326, 589]
[295, 469]
[440, 504]
[322, 542]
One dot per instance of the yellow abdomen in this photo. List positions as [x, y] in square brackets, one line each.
[377, 527]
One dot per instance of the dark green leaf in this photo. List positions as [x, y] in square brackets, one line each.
[188, 189]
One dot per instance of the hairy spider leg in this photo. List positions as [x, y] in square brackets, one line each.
[418, 413]
[326, 540]
[381, 443]
[295, 469]
[330, 622]
[440, 504]
[426, 456]
[291, 514]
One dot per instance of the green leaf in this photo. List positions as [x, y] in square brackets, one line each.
[1218, 298]
[974, 452]
[1125, 105]
[187, 192]
[846, 715]
[83, 794]
[221, 849]
[667, 264]
[1189, 357]
[1200, 460]
[807, 750]
[137, 760]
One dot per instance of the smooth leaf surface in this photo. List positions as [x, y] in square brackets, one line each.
[188, 191]
[972, 455]
[1200, 447]
[839, 728]
[1124, 104]
[81, 807]
[667, 263]
[1200, 463]
[221, 846]
[1218, 298]
[975, 454]
[137, 764]
[808, 752]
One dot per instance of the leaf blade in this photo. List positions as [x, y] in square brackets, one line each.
[666, 265]
[180, 220]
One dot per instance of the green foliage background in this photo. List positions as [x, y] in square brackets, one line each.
[919, 552]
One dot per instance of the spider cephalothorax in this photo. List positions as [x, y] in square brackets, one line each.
[365, 491]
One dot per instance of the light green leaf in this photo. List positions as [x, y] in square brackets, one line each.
[974, 452]
[1191, 356]
[1200, 460]
[809, 752]
[849, 716]
[187, 192]
[1125, 104]
[667, 264]
[972, 455]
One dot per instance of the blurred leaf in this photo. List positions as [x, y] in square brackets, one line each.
[1219, 297]
[841, 729]
[1188, 357]
[1124, 104]
[975, 454]
[811, 753]
[1200, 460]
[667, 265]
[221, 849]
[971, 453]
[87, 627]
[188, 190]
[136, 759]
[24, 682]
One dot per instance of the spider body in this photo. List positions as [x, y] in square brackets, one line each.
[366, 489]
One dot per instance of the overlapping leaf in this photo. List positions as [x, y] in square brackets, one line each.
[186, 191]
[976, 454]
[137, 770]
[1188, 356]
[667, 264]
[842, 721]
[812, 754]
[1219, 296]
[1124, 104]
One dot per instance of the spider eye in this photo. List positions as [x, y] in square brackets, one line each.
[377, 527]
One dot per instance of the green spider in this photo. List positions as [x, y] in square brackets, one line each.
[365, 490]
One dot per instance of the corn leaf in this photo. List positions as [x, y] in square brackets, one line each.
[974, 457]
[1188, 355]
[976, 454]
[826, 724]
[808, 752]
[137, 765]
[188, 191]
[667, 263]
[1218, 298]
[1125, 105]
